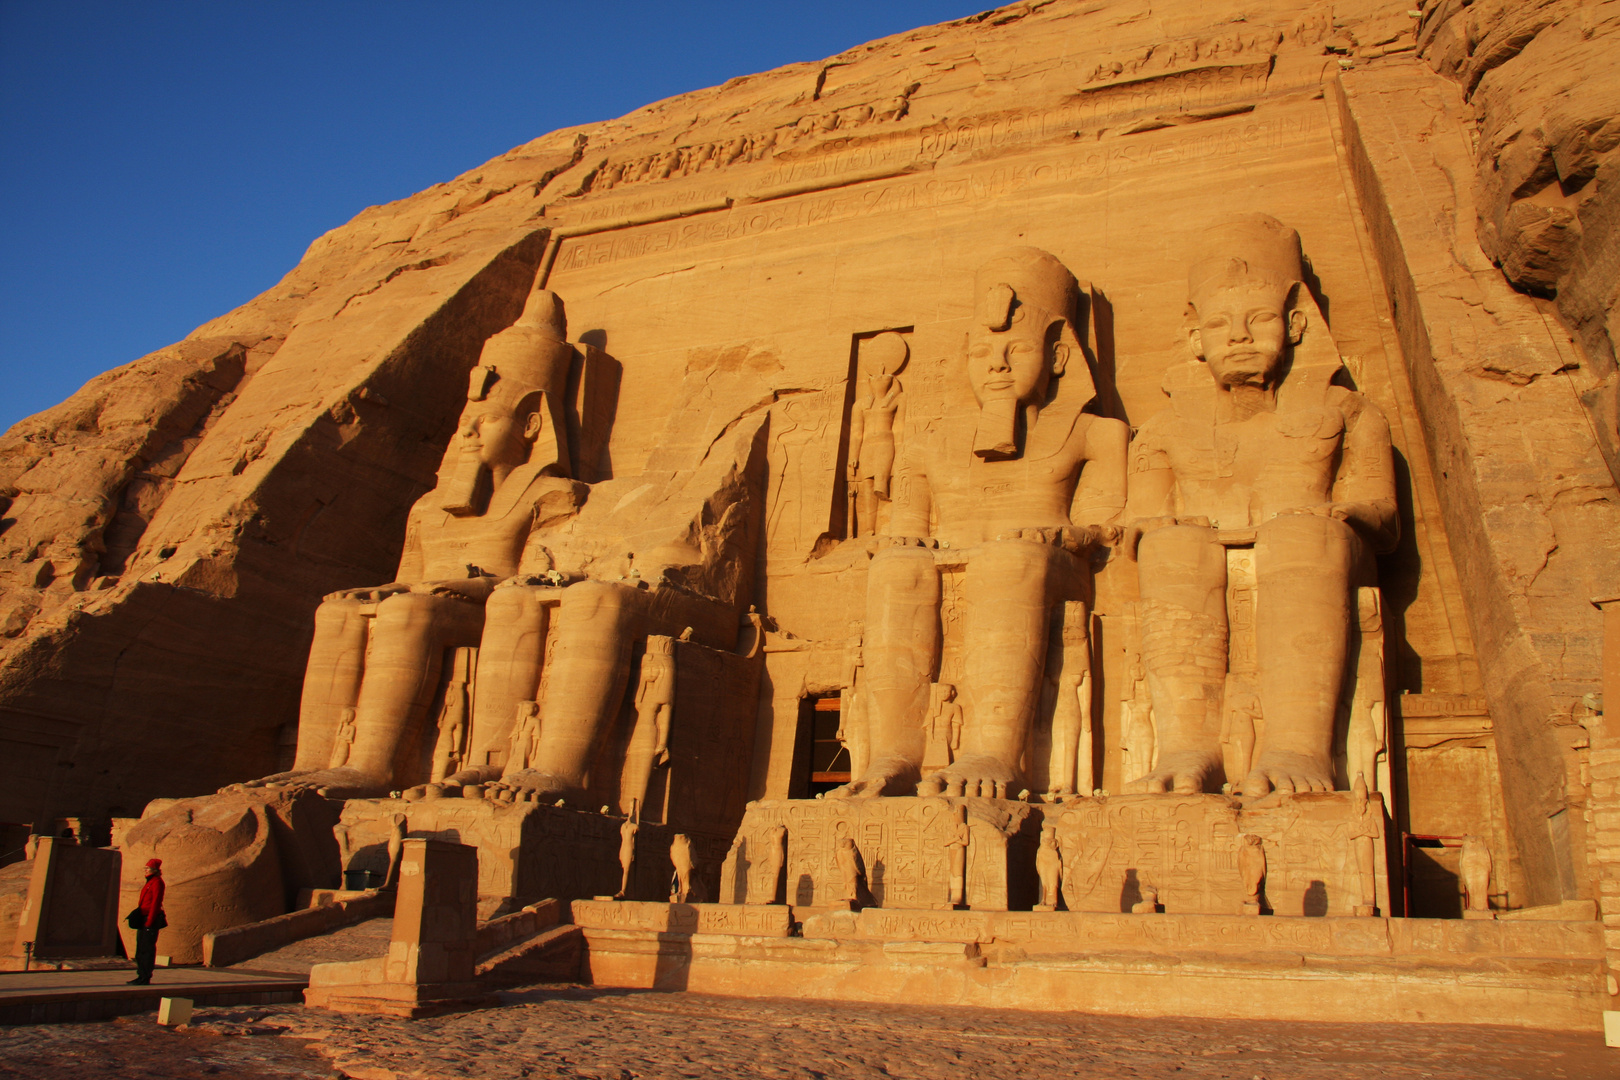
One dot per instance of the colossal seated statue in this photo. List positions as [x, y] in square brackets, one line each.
[377, 653]
[1263, 466]
[1016, 491]
[497, 560]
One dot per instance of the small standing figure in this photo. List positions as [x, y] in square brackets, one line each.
[1068, 687]
[396, 848]
[849, 872]
[1149, 904]
[1136, 726]
[1475, 865]
[343, 741]
[1252, 865]
[877, 416]
[764, 881]
[944, 728]
[655, 697]
[680, 856]
[852, 706]
[729, 871]
[1365, 829]
[525, 739]
[956, 848]
[627, 851]
[1049, 866]
[146, 920]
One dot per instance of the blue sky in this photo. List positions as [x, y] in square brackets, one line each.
[163, 162]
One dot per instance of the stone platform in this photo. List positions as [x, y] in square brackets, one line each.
[1184, 847]
[1380, 970]
[526, 850]
[57, 997]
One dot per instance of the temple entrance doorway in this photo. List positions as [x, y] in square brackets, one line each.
[826, 761]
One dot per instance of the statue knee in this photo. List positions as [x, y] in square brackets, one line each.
[334, 615]
[599, 603]
[1322, 545]
[511, 604]
[413, 614]
[1188, 545]
[903, 570]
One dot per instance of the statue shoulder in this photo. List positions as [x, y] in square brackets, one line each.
[1355, 405]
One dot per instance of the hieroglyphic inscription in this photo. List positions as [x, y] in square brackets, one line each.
[526, 851]
[902, 844]
[757, 921]
[967, 189]
[1185, 846]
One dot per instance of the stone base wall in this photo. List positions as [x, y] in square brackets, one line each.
[1378, 970]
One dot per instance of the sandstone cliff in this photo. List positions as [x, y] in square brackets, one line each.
[171, 527]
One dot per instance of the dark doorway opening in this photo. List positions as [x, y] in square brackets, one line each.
[827, 763]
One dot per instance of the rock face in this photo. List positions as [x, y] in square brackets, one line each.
[783, 268]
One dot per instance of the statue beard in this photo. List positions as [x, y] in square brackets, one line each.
[467, 491]
[996, 437]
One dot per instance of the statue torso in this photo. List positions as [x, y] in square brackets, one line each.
[975, 500]
[1241, 474]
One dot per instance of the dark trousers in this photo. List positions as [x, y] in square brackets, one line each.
[145, 953]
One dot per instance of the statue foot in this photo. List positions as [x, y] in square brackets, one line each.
[1287, 771]
[978, 775]
[345, 782]
[891, 776]
[1185, 772]
[531, 785]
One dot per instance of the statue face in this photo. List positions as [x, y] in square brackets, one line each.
[1016, 362]
[1241, 334]
[496, 436]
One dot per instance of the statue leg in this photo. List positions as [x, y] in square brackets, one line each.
[337, 662]
[900, 648]
[1302, 630]
[409, 638]
[510, 654]
[1182, 572]
[596, 624]
[1011, 586]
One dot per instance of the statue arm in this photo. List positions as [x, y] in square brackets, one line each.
[911, 508]
[1151, 499]
[1099, 497]
[1364, 492]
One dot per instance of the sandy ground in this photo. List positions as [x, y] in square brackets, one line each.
[582, 1032]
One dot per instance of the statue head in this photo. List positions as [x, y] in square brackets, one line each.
[886, 355]
[1243, 288]
[1023, 336]
[504, 416]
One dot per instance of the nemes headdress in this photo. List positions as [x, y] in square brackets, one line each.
[1027, 278]
[1247, 251]
[527, 356]
[1020, 283]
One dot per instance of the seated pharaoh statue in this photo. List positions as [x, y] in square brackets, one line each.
[551, 614]
[1016, 490]
[1267, 475]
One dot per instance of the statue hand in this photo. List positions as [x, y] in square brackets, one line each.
[476, 589]
[549, 578]
[371, 593]
[908, 541]
[1348, 512]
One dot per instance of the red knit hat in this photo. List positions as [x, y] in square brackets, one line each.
[154, 862]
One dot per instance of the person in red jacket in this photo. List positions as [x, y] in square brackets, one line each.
[146, 920]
